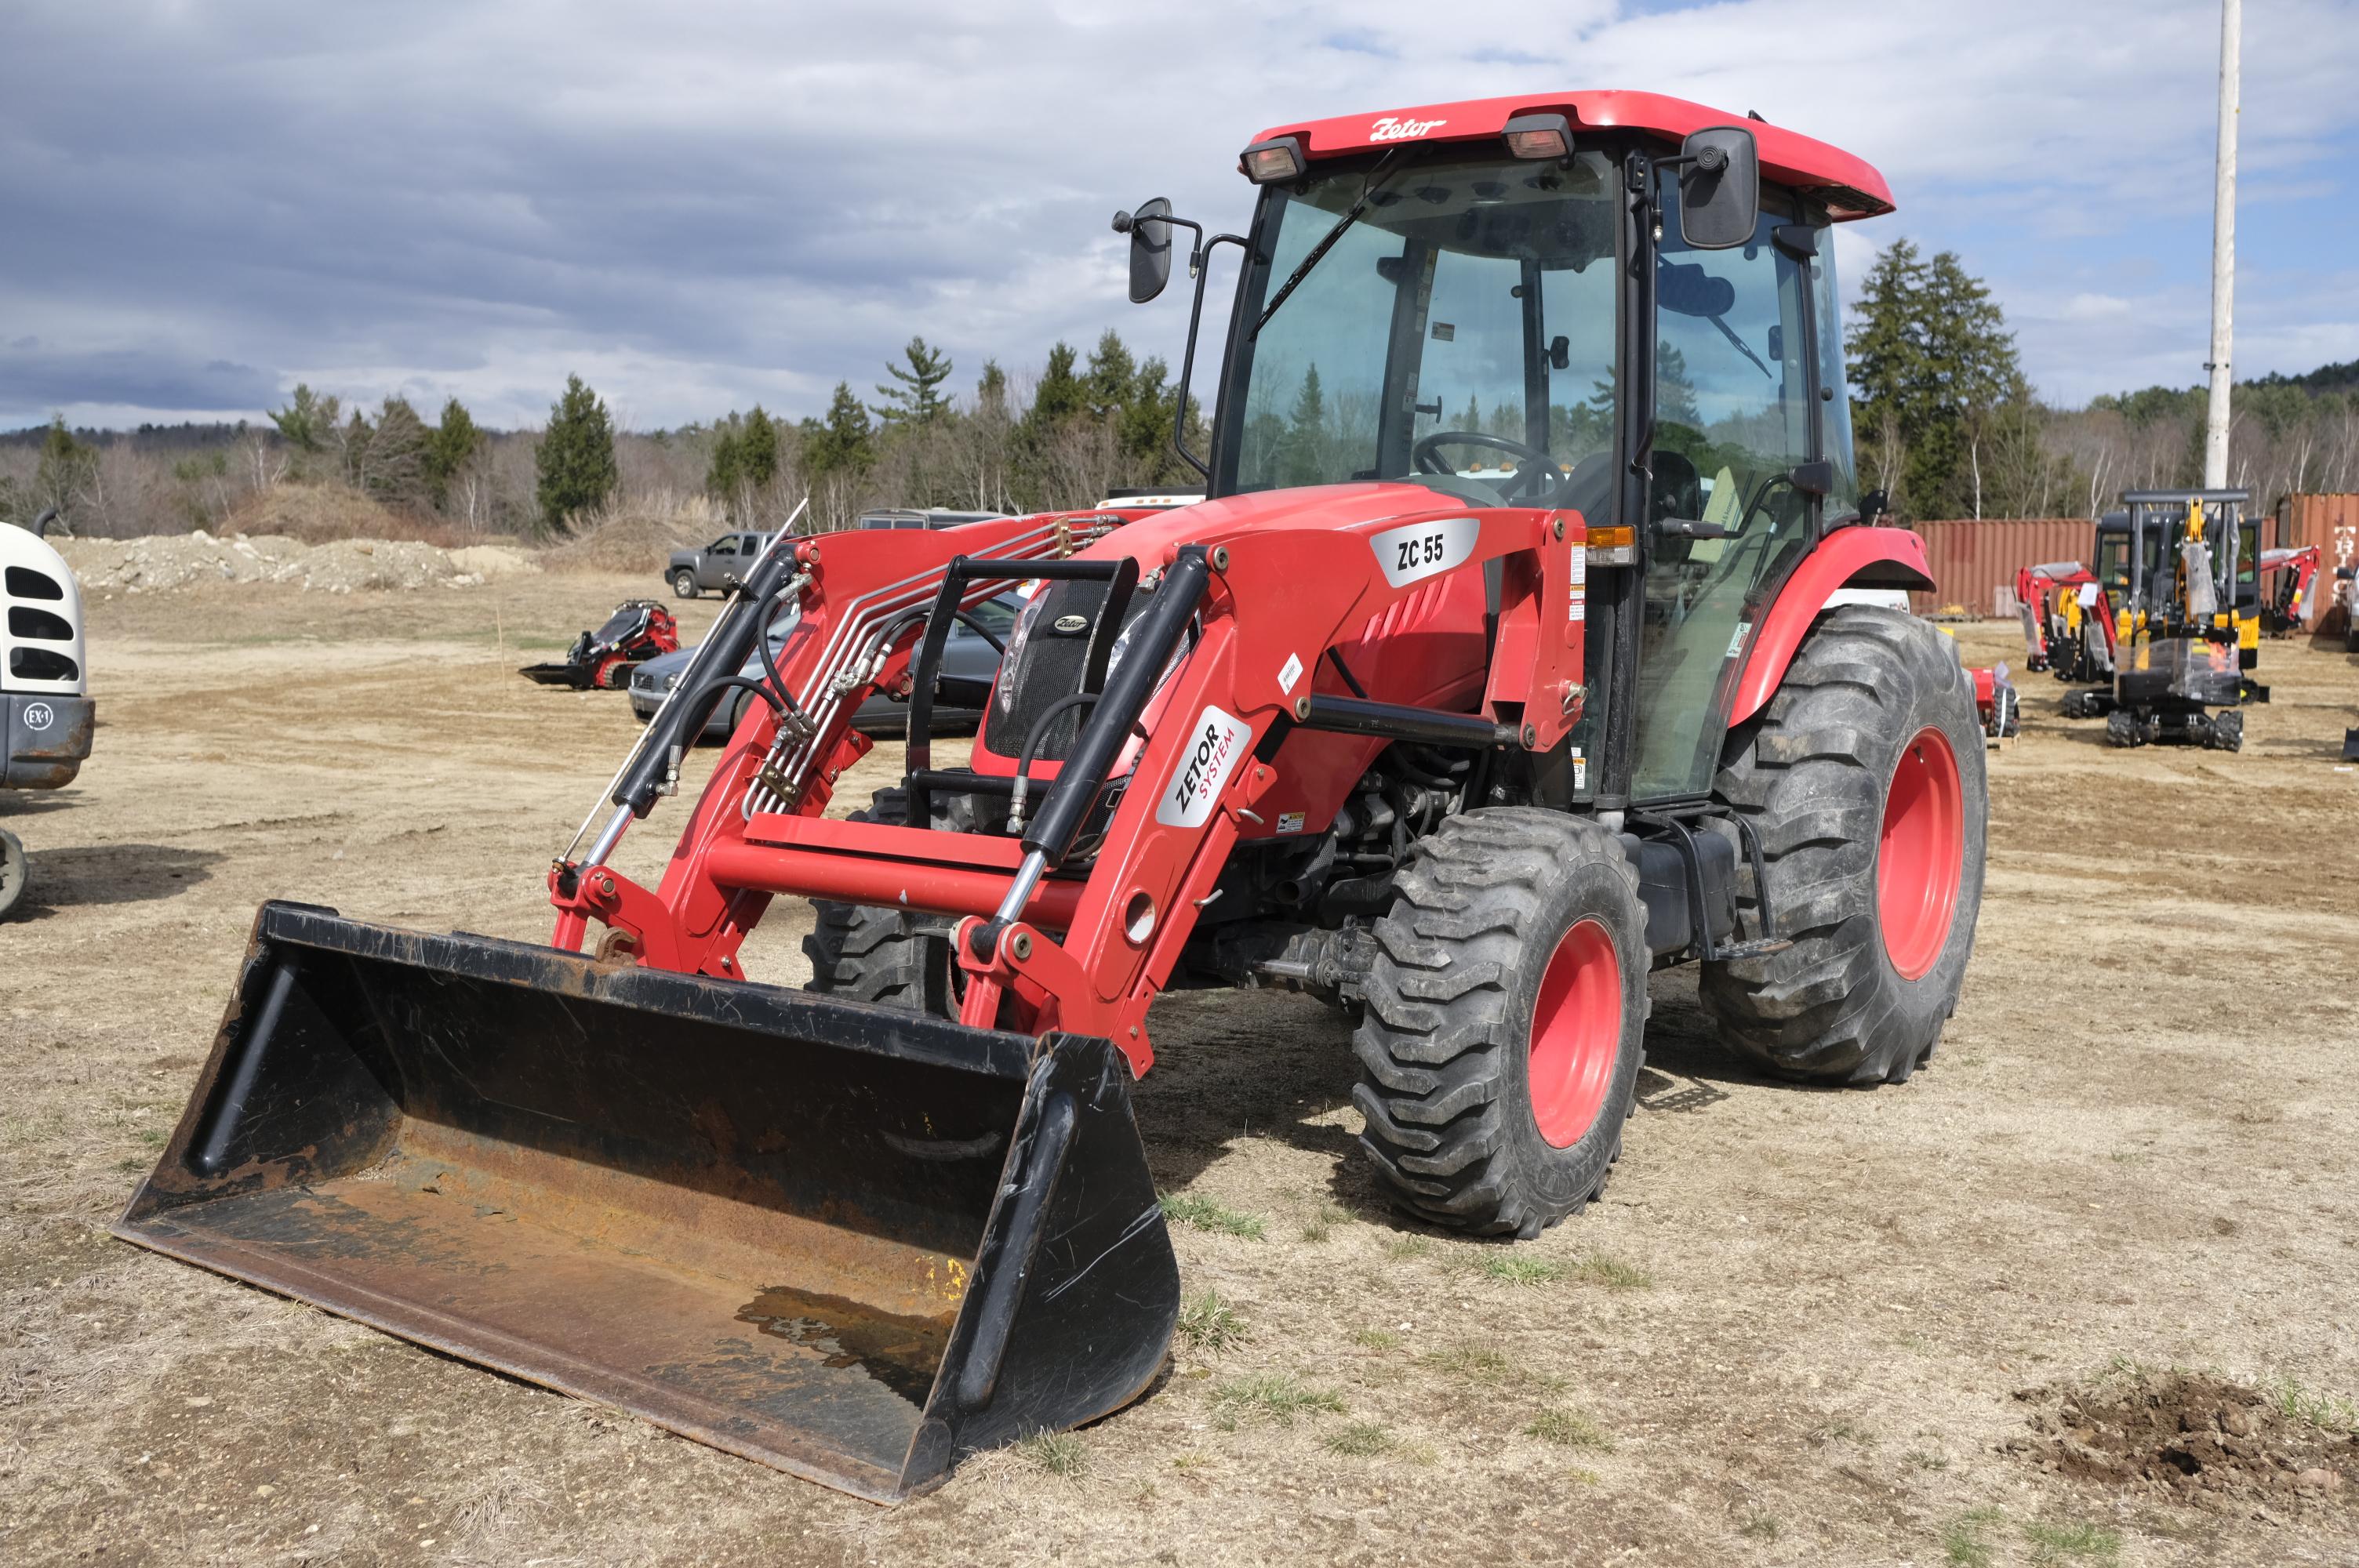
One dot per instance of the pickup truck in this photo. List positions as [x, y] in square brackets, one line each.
[692, 572]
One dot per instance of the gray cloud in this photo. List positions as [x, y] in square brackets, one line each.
[700, 206]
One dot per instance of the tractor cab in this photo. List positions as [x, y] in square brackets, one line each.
[1565, 312]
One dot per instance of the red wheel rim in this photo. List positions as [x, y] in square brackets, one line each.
[1921, 854]
[1576, 1034]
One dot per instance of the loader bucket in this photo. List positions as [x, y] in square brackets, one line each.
[848, 1241]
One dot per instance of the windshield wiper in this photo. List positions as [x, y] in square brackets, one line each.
[1326, 241]
[1730, 334]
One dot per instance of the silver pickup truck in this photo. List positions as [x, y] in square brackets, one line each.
[691, 572]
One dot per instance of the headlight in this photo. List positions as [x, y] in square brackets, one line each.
[671, 680]
[1006, 696]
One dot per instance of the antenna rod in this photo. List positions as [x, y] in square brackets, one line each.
[2223, 247]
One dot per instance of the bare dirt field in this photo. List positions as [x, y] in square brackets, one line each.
[1991, 1316]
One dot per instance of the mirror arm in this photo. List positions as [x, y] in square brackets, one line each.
[1198, 269]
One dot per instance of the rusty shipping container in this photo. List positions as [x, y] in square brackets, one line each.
[2329, 522]
[1974, 559]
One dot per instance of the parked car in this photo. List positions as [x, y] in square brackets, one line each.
[691, 572]
[928, 517]
[966, 653]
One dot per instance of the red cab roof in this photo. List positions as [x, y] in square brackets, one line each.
[1849, 186]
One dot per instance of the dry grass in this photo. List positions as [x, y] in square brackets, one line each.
[636, 533]
[1209, 1323]
[322, 513]
[1570, 1429]
[1276, 1397]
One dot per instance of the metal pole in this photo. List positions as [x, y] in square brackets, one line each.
[2223, 247]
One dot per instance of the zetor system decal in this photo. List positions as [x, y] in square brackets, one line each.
[1421, 549]
[1219, 742]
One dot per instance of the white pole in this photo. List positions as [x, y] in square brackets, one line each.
[2223, 247]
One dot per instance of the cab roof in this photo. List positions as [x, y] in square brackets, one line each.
[1850, 187]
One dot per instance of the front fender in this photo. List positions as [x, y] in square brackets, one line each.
[1851, 557]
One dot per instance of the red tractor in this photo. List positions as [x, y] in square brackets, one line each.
[1498, 671]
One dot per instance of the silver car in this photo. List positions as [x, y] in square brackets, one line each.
[967, 654]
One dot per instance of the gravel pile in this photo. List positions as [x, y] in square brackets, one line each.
[163, 563]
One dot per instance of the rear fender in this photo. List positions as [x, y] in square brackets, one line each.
[1851, 557]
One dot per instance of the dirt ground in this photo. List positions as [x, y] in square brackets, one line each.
[1804, 1327]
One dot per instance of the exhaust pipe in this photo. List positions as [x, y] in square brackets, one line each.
[849, 1241]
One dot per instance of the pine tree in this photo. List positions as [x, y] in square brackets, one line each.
[758, 449]
[450, 446]
[393, 466]
[1300, 449]
[309, 421]
[66, 468]
[1110, 378]
[1061, 394]
[576, 456]
[918, 398]
[721, 479]
[842, 443]
[1930, 359]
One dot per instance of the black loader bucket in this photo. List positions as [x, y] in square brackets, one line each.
[851, 1242]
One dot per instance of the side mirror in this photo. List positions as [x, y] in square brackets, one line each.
[1559, 353]
[1875, 503]
[1720, 188]
[1150, 229]
[1815, 477]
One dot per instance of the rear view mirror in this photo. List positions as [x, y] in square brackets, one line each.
[1151, 247]
[1720, 188]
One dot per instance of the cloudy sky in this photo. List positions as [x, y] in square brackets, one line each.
[697, 206]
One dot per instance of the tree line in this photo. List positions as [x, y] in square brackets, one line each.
[1945, 421]
[1058, 437]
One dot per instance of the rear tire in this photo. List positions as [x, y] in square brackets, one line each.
[15, 872]
[2228, 731]
[896, 957]
[1868, 757]
[1506, 1021]
[2123, 728]
[683, 584]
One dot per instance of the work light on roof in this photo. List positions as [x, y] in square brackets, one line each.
[1540, 135]
[1278, 158]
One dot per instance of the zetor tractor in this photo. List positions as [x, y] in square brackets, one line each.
[1497, 671]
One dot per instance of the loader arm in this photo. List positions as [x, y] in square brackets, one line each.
[1186, 768]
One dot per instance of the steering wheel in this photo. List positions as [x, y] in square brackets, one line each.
[1535, 476]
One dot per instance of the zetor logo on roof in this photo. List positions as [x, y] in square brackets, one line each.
[1393, 129]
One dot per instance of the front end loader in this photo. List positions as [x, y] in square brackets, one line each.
[1510, 659]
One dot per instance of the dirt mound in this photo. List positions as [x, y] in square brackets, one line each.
[322, 513]
[2199, 1439]
[639, 535]
[163, 563]
[488, 561]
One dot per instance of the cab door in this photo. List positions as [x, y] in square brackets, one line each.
[1735, 413]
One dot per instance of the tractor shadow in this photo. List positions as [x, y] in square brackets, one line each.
[93, 875]
[1234, 1066]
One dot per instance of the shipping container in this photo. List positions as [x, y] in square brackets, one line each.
[1974, 559]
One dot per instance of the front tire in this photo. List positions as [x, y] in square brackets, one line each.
[1506, 1021]
[896, 958]
[683, 584]
[1864, 780]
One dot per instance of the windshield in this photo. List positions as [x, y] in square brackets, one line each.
[1460, 333]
